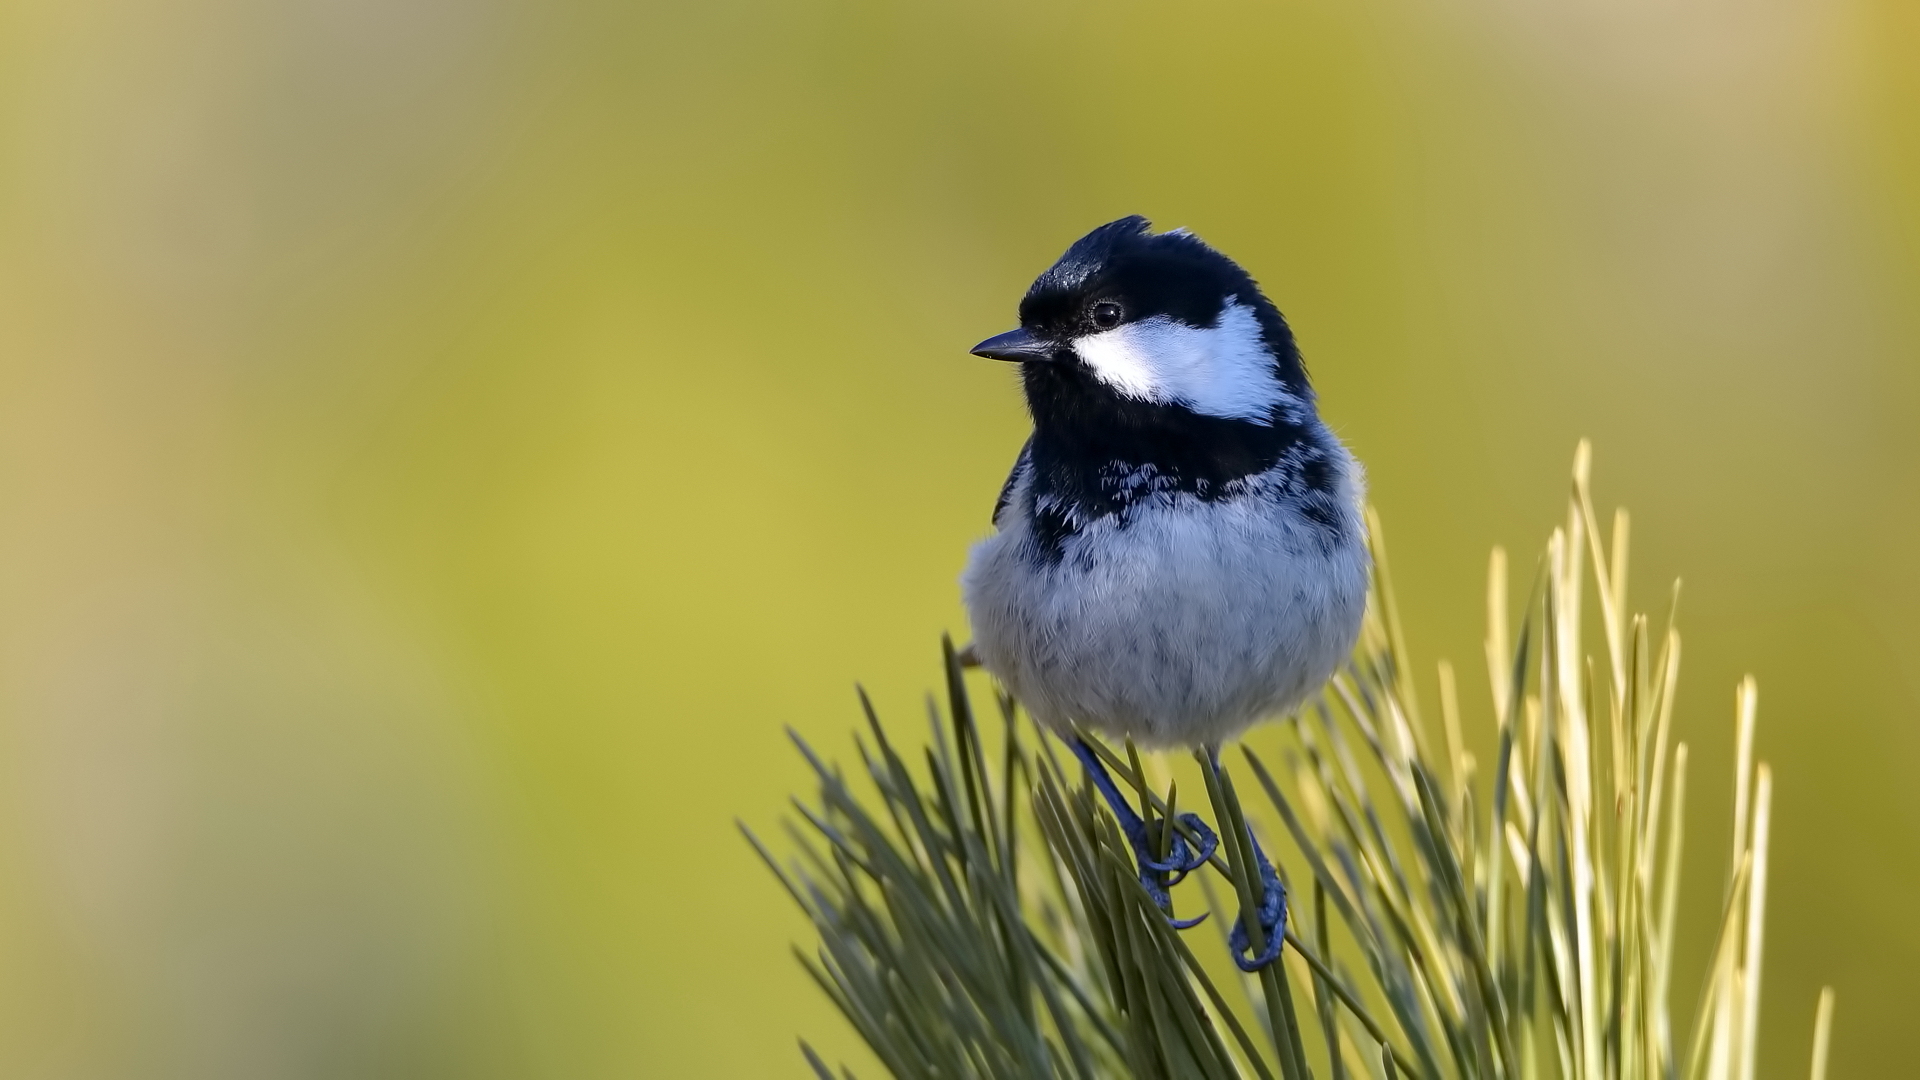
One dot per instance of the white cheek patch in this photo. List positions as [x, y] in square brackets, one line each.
[1221, 370]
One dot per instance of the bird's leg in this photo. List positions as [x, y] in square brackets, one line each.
[1157, 875]
[1270, 899]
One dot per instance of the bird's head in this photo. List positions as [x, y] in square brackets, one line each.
[1135, 321]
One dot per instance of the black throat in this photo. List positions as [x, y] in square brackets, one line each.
[1096, 453]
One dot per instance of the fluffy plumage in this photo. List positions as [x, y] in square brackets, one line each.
[1179, 549]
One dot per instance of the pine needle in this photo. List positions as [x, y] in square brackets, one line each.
[980, 915]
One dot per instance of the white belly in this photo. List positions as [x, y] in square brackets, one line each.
[1179, 629]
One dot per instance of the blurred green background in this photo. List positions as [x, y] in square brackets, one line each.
[442, 443]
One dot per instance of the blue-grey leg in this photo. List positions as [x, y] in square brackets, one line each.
[1157, 875]
[1273, 902]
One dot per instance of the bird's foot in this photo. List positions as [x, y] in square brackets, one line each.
[1183, 858]
[1157, 874]
[1272, 916]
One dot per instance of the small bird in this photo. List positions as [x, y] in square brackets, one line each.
[1180, 549]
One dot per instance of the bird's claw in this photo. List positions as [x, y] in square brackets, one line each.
[1182, 859]
[1159, 875]
[1186, 924]
[1273, 920]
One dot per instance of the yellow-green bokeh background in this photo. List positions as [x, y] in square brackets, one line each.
[442, 443]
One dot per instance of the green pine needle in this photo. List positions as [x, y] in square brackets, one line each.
[979, 913]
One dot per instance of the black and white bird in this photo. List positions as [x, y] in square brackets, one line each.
[1180, 549]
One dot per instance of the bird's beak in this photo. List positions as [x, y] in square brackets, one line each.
[1018, 346]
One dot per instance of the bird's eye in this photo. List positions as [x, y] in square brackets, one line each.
[1106, 314]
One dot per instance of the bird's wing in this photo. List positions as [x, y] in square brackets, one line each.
[1020, 466]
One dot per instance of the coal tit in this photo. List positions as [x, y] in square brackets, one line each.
[1180, 549]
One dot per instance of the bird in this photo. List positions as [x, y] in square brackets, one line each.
[1180, 549]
